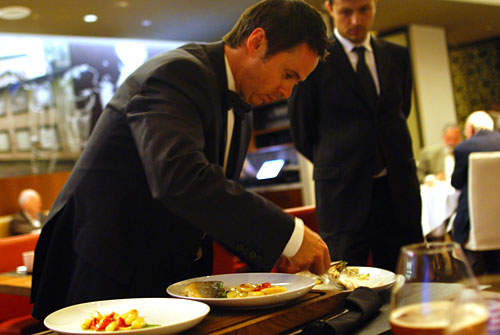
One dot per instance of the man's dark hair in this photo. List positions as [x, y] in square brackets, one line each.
[287, 23]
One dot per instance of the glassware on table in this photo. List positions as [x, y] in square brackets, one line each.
[490, 295]
[431, 277]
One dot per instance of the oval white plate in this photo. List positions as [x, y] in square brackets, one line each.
[296, 286]
[379, 279]
[171, 315]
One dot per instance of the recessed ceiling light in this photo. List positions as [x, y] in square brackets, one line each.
[122, 4]
[146, 23]
[14, 12]
[90, 18]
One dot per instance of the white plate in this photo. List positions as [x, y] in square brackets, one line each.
[171, 315]
[379, 279]
[296, 286]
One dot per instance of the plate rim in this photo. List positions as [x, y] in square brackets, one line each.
[197, 319]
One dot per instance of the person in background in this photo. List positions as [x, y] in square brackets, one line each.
[349, 119]
[30, 219]
[437, 161]
[480, 136]
[157, 182]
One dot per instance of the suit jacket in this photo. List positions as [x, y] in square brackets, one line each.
[149, 189]
[432, 161]
[336, 127]
[484, 140]
[21, 224]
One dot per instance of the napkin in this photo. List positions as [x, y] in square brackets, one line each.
[362, 304]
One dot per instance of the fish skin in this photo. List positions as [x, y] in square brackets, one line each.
[204, 289]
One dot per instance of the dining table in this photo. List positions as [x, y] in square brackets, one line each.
[287, 319]
[15, 283]
[439, 203]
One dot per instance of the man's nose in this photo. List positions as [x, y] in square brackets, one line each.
[356, 18]
[286, 91]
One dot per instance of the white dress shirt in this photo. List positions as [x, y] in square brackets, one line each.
[295, 240]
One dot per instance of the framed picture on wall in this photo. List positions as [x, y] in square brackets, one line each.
[19, 101]
[49, 138]
[4, 141]
[22, 139]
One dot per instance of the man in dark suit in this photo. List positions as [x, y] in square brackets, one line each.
[349, 119]
[157, 180]
[480, 136]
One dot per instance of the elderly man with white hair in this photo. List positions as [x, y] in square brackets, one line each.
[30, 219]
[480, 136]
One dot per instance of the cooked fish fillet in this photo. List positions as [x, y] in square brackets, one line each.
[204, 289]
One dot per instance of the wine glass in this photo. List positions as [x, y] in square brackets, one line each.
[466, 308]
[431, 276]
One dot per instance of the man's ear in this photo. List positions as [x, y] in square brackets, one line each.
[257, 42]
[328, 6]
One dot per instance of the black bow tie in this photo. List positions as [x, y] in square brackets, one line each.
[236, 103]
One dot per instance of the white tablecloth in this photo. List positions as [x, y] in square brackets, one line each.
[439, 203]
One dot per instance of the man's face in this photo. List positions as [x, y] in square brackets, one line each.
[353, 18]
[452, 137]
[269, 79]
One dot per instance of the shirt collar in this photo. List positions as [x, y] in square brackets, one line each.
[348, 45]
[229, 75]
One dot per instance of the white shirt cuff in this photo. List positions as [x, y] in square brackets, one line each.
[295, 240]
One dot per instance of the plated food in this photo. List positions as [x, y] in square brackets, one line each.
[215, 289]
[285, 287]
[114, 321]
[343, 277]
[161, 315]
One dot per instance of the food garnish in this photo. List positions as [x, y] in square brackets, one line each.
[114, 321]
[215, 289]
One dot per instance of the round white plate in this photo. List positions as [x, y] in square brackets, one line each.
[171, 315]
[296, 286]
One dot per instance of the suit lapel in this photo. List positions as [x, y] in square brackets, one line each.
[383, 59]
[346, 71]
[215, 52]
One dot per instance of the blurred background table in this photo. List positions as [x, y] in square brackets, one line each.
[15, 284]
[439, 203]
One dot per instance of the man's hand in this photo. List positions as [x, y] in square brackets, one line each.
[313, 254]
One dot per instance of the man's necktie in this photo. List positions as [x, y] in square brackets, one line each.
[365, 75]
[366, 79]
[239, 107]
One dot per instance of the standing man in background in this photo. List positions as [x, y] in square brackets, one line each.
[437, 161]
[349, 119]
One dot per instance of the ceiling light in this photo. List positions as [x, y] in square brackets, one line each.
[122, 4]
[146, 23]
[14, 12]
[90, 18]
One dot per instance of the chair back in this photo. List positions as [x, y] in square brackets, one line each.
[484, 201]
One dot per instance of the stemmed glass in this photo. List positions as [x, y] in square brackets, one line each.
[432, 277]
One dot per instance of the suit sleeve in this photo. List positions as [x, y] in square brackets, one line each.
[301, 107]
[170, 119]
[459, 175]
[408, 86]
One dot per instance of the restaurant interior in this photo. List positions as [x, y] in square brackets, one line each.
[61, 61]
